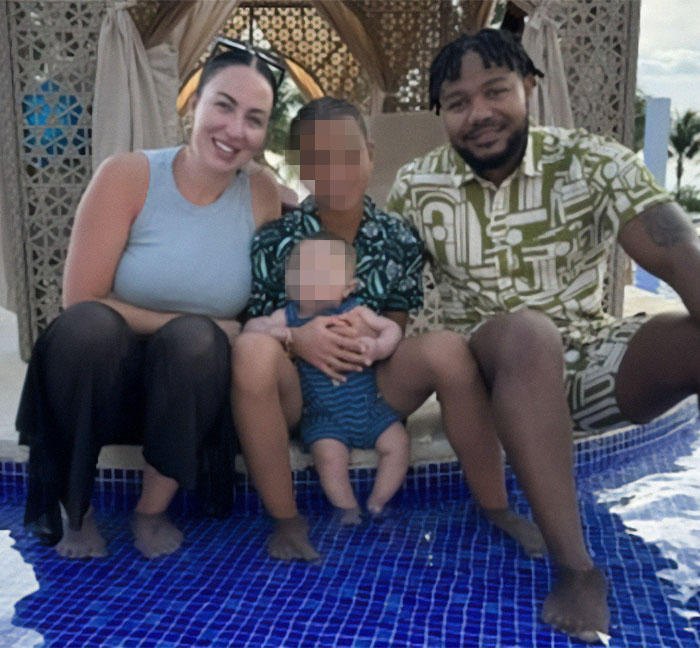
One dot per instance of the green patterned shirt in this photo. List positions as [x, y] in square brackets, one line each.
[541, 240]
[390, 260]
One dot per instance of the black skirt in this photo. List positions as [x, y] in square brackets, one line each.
[91, 381]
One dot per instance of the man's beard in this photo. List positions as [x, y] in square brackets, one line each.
[514, 150]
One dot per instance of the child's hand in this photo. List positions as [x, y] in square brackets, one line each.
[356, 322]
[369, 349]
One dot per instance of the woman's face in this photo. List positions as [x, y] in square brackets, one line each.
[335, 162]
[231, 117]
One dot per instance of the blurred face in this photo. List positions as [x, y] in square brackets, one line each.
[485, 114]
[319, 277]
[335, 162]
[231, 117]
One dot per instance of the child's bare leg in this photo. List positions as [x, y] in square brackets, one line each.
[266, 399]
[394, 450]
[331, 458]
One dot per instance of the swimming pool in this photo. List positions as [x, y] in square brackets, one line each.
[433, 573]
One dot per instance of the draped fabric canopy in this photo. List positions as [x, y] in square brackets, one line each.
[139, 74]
[550, 104]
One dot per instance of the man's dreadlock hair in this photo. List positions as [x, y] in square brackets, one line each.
[495, 47]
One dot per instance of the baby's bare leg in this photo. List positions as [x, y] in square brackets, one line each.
[331, 459]
[394, 450]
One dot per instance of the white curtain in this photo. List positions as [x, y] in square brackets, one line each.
[136, 88]
[550, 104]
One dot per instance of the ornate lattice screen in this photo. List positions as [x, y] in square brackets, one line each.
[599, 42]
[299, 32]
[53, 50]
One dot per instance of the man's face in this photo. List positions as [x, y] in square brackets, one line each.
[485, 114]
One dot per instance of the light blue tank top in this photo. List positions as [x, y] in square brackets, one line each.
[185, 258]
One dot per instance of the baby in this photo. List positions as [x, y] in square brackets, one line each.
[338, 416]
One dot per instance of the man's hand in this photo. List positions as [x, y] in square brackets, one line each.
[329, 344]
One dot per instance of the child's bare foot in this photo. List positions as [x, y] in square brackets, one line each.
[349, 516]
[85, 543]
[522, 530]
[154, 534]
[578, 604]
[290, 540]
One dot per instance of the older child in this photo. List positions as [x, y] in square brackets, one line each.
[348, 413]
[335, 160]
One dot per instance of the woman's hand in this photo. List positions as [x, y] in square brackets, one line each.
[231, 327]
[329, 344]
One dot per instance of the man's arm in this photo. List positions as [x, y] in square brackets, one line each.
[663, 241]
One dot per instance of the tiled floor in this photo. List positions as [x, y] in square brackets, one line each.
[432, 574]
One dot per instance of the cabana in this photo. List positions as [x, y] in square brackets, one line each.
[65, 88]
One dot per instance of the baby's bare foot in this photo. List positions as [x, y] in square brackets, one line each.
[522, 530]
[577, 605]
[154, 534]
[349, 516]
[84, 543]
[290, 540]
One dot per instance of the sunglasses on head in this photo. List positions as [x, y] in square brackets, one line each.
[274, 64]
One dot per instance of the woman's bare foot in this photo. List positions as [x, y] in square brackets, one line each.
[290, 540]
[84, 543]
[154, 534]
[523, 531]
[578, 604]
[349, 516]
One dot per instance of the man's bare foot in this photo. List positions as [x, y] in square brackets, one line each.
[290, 540]
[154, 534]
[523, 531]
[85, 543]
[349, 516]
[578, 604]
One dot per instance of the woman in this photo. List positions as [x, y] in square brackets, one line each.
[335, 158]
[156, 274]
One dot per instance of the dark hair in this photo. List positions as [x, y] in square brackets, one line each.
[324, 235]
[241, 57]
[495, 47]
[324, 108]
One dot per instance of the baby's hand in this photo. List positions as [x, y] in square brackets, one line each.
[368, 348]
[356, 322]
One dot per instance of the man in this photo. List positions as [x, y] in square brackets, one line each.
[520, 223]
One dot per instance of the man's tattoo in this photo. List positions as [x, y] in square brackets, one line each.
[666, 229]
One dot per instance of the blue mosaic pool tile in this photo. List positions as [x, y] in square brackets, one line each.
[434, 573]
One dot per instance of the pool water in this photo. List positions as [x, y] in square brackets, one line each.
[433, 573]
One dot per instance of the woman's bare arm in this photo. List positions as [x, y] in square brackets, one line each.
[112, 201]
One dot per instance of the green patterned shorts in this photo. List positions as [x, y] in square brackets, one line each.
[590, 374]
